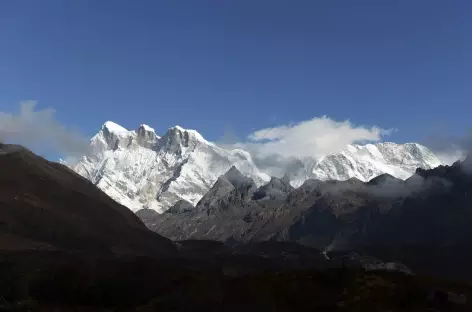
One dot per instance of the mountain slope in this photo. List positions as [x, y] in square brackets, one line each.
[47, 206]
[426, 217]
[142, 170]
[66, 246]
[365, 162]
[139, 169]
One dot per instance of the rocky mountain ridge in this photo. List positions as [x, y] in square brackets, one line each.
[140, 169]
[411, 221]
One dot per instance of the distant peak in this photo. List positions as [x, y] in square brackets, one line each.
[146, 128]
[146, 136]
[279, 183]
[235, 177]
[179, 128]
[233, 174]
[384, 178]
[354, 180]
[233, 170]
[285, 178]
[193, 133]
[113, 127]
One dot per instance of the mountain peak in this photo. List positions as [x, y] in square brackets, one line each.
[384, 178]
[178, 128]
[235, 177]
[233, 170]
[140, 169]
[178, 139]
[275, 189]
[146, 136]
[146, 128]
[192, 133]
[182, 206]
[113, 127]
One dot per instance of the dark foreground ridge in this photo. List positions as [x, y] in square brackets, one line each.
[47, 206]
[66, 246]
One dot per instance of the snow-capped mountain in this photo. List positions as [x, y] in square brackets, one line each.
[365, 162]
[139, 169]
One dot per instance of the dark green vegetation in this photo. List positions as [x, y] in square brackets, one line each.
[66, 246]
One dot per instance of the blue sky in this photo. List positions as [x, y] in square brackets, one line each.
[241, 65]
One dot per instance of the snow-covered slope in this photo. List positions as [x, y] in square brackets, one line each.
[365, 162]
[139, 169]
[142, 170]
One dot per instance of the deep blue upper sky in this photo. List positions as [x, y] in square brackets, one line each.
[241, 65]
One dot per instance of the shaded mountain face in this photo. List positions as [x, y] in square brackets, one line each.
[48, 210]
[276, 189]
[230, 190]
[413, 219]
[47, 206]
[140, 169]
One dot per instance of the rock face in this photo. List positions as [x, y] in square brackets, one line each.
[427, 216]
[140, 170]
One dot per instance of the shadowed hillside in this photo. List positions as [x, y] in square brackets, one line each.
[66, 246]
[45, 205]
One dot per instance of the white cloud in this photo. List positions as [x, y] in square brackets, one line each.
[311, 138]
[451, 156]
[450, 148]
[39, 130]
[279, 149]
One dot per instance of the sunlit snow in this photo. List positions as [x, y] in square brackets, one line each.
[142, 170]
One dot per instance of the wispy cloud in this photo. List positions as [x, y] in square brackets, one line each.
[450, 148]
[39, 129]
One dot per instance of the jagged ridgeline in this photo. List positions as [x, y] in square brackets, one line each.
[140, 169]
[66, 245]
[412, 221]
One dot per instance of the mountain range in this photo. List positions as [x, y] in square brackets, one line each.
[66, 246]
[423, 221]
[45, 206]
[140, 169]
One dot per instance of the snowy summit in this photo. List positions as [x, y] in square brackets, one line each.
[139, 169]
[142, 170]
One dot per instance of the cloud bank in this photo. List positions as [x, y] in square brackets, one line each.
[315, 137]
[276, 149]
[39, 130]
